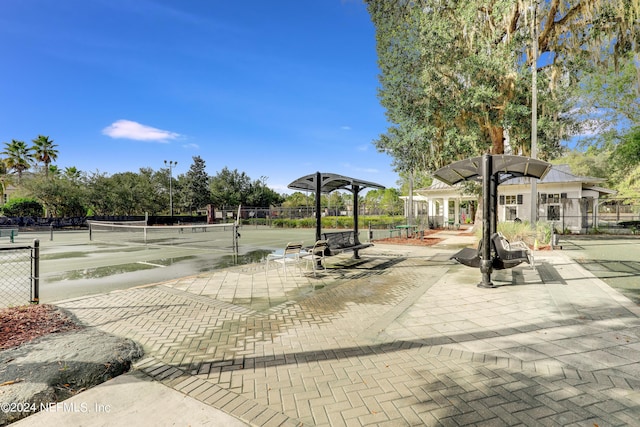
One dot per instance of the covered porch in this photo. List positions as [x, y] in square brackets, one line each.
[441, 205]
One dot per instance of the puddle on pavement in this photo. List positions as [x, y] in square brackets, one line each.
[166, 262]
[63, 255]
[133, 249]
[251, 257]
[224, 261]
[82, 254]
[99, 272]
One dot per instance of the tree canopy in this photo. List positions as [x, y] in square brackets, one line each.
[455, 76]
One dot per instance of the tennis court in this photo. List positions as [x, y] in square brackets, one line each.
[72, 265]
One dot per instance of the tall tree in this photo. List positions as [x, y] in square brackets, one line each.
[260, 195]
[455, 76]
[17, 156]
[229, 188]
[198, 195]
[44, 151]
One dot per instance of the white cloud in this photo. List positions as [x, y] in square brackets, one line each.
[345, 127]
[127, 129]
[191, 146]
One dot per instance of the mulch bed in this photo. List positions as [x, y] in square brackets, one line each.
[413, 240]
[22, 324]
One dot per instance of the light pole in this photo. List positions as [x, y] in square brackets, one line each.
[171, 164]
[264, 184]
[534, 109]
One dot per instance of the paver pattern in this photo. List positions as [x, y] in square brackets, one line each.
[402, 337]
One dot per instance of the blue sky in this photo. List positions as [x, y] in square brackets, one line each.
[279, 88]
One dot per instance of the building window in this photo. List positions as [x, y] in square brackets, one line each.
[511, 200]
[552, 198]
[553, 213]
[510, 203]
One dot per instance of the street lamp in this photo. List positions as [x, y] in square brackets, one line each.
[264, 184]
[171, 164]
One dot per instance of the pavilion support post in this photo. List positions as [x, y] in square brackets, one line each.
[487, 207]
[356, 190]
[494, 204]
[318, 206]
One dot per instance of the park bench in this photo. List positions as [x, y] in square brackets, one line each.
[508, 254]
[341, 241]
[9, 232]
[505, 254]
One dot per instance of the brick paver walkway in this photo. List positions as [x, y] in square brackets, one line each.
[403, 337]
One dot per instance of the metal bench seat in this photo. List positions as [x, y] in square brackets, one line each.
[504, 254]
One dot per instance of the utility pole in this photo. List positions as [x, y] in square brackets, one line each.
[171, 165]
[534, 109]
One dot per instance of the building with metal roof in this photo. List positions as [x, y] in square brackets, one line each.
[567, 200]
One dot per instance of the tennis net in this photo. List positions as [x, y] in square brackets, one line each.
[209, 236]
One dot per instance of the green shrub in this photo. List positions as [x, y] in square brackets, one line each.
[543, 233]
[339, 222]
[23, 207]
[521, 231]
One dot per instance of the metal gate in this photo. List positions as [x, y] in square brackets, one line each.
[19, 275]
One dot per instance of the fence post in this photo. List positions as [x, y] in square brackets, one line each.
[35, 268]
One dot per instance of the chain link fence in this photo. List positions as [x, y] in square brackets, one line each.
[19, 280]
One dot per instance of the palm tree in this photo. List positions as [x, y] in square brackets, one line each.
[44, 151]
[72, 173]
[17, 156]
[4, 179]
[54, 170]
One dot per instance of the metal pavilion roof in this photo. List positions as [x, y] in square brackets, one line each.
[508, 166]
[331, 182]
[561, 174]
